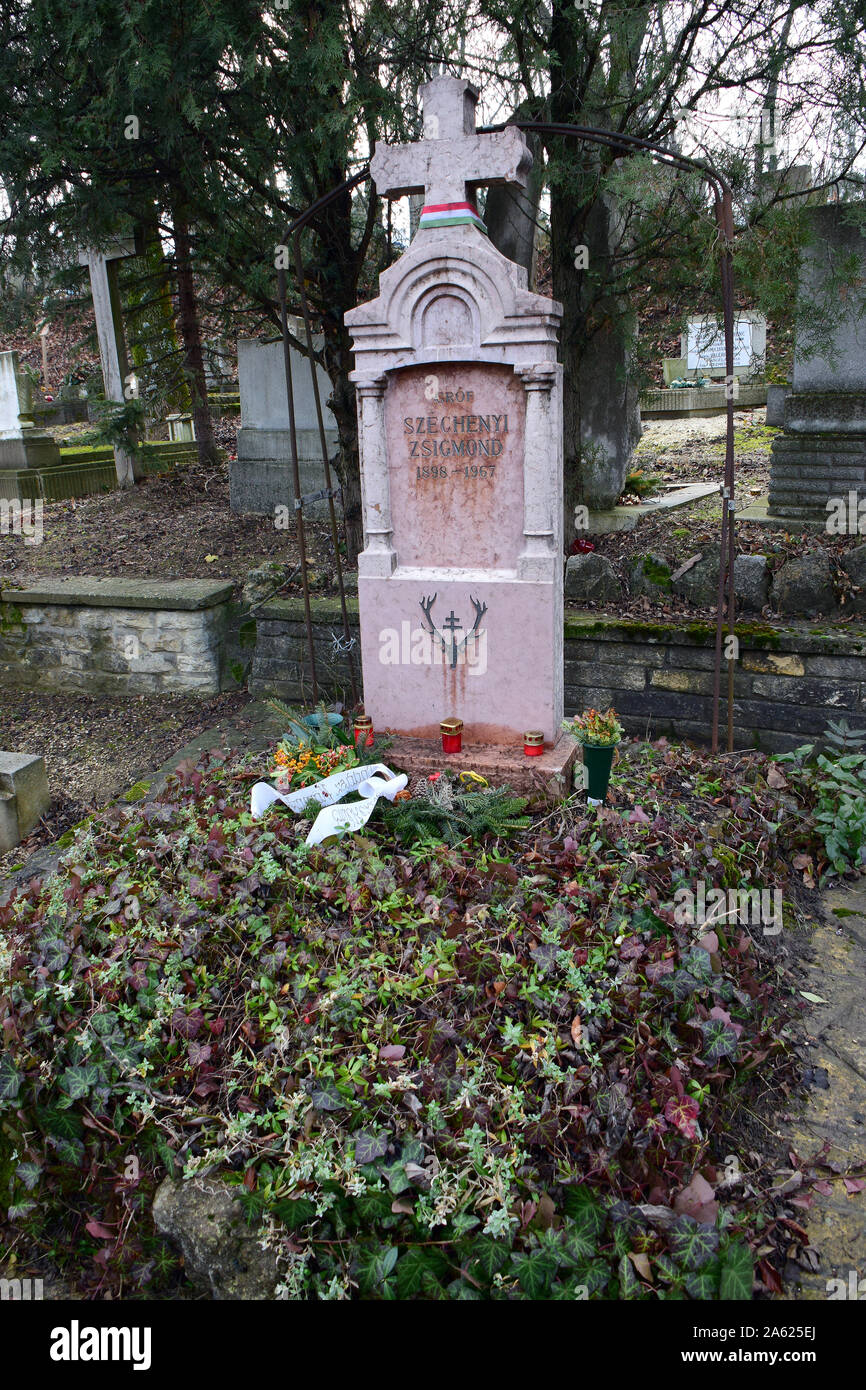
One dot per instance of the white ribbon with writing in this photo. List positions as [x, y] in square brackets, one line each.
[334, 819]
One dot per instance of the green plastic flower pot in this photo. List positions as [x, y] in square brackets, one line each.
[598, 763]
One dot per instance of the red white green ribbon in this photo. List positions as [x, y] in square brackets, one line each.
[450, 215]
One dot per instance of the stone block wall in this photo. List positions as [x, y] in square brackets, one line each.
[116, 637]
[789, 680]
[281, 664]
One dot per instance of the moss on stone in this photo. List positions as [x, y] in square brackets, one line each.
[700, 633]
[657, 572]
[10, 616]
[138, 791]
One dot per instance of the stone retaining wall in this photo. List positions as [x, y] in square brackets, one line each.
[117, 637]
[789, 680]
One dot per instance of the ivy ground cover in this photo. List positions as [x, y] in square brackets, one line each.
[491, 1069]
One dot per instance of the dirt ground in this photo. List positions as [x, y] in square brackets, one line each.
[96, 748]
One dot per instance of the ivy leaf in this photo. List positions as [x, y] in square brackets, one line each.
[324, 1094]
[295, 1212]
[10, 1080]
[737, 1272]
[692, 1245]
[29, 1173]
[703, 1283]
[720, 1040]
[55, 953]
[593, 1276]
[535, 1271]
[376, 1265]
[683, 1112]
[487, 1256]
[579, 1244]
[629, 1284]
[69, 1151]
[63, 1124]
[104, 1023]
[369, 1146]
[78, 1082]
[419, 1271]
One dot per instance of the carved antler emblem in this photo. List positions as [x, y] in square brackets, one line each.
[450, 643]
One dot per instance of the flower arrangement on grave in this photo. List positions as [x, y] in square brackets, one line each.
[313, 747]
[298, 764]
[595, 728]
[599, 732]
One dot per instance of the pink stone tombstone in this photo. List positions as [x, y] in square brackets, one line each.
[459, 404]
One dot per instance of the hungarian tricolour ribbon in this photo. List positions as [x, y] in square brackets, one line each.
[450, 215]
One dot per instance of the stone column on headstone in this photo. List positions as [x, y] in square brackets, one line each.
[104, 289]
[540, 558]
[378, 557]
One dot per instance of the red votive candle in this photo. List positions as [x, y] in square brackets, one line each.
[452, 735]
[363, 731]
[533, 743]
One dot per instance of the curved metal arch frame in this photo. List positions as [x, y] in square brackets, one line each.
[723, 199]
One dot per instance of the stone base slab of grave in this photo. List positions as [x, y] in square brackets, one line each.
[261, 478]
[627, 518]
[422, 663]
[758, 512]
[696, 402]
[547, 778]
[24, 796]
[808, 469]
[33, 449]
[82, 472]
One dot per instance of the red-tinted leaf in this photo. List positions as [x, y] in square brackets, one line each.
[683, 1112]
[96, 1228]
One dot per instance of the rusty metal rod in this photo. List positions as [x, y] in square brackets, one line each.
[296, 477]
[335, 539]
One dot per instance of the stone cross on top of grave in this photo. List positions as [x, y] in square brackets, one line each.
[102, 265]
[452, 159]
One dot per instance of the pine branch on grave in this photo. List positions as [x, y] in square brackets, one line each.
[449, 814]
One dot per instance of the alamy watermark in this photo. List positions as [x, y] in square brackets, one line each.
[23, 519]
[846, 516]
[420, 646]
[854, 1288]
[21, 1290]
[705, 907]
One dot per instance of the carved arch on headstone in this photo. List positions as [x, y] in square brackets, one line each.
[445, 316]
[411, 302]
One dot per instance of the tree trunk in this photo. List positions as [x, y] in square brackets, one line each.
[348, 460]
[510, 214]
[190, 329]
[601, 417]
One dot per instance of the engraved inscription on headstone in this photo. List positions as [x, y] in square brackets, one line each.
[455, 461]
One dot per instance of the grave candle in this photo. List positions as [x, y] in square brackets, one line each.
[452, 735]
[533, 743]
[363, 731]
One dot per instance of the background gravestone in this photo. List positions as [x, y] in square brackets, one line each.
[22, 445]
[460, 427]
[107, 311]
[821, 453]
[261, 475]
[702, 346]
